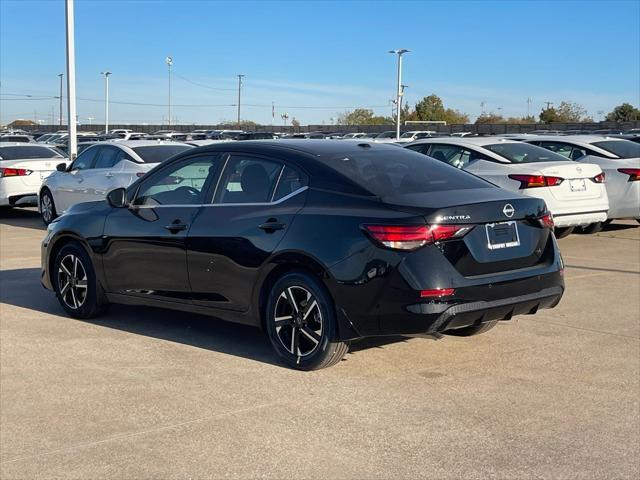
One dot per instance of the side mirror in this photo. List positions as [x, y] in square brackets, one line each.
[117, 198]
[61, 167]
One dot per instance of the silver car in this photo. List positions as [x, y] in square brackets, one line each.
[619, 160]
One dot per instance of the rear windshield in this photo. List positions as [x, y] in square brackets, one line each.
[620, 148]
[159, 153]
[18, 153]
[16, 138]
[396, 171]
[524, 153]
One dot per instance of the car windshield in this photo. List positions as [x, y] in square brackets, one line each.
[17, 153]
[407, 135]
[524, 153]
[387, 135]
[159, 153]
[395, 172]
[620, 148]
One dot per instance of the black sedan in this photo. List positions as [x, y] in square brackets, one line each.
[318, 242]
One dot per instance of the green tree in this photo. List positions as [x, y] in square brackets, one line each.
[489, 118]
[362, 116]
[567, 112]
[624, 113]
[432, 108]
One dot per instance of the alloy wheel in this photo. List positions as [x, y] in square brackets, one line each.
[298, 321]
[72, 281]
[46, 208]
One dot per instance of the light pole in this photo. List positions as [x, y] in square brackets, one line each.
[106, 100]
[285, 117]
[529, 107]
[72, 118]
[240, 77]
[60, 76]
[399, 53]
[169, 62]
[91, 119]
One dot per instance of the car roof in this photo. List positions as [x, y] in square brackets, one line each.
[143, 143]
[477, 141]
[25, 144]
[578, 139]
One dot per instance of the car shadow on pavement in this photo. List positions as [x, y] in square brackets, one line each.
[613, 226]
[21, 217]
[22, 288]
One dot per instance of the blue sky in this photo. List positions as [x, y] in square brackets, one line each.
[319, 54]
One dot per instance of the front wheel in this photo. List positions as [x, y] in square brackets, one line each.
[562, 232]
[75, 283]
[47, 207]
[301, 322]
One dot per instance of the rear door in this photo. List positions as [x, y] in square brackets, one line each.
[255, 202]
[145, 251]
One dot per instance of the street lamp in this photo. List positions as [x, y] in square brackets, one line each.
[240, 77]
[169, 62]
[399, 53]
[106, 100]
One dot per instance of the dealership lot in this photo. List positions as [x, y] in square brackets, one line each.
[142, 392]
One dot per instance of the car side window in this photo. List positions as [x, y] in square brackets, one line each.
[85, 159]
[290, 181]
[454, 155]
[108, 157]
[419, 148]
[247, 179]
[563, 149]
[184, 183]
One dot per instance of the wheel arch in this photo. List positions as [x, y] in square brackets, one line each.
[62, 239]
[286, 262]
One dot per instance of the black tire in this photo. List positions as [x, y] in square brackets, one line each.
[592, 228]
[92, 302]
[473, 330]
[314, 348]
[562, 232]
[47, 210]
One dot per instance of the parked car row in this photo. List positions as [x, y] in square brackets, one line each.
[584, 180]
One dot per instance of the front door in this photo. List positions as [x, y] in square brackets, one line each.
[230, 240]
[146, 243]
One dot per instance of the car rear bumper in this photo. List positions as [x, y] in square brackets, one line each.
[14, 192]
[579, 219]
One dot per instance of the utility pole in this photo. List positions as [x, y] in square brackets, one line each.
[285, 117]
[106, 100]
[71, 82]
[169, 62]
[91, 119]
[528, 106]
[482, 105]
[60, 75]
[240, 77]
[399, 53]
[548, 104]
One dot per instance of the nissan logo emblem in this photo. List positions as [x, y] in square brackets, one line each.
[508, 210]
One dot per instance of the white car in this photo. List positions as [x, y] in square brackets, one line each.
[99, 169]
[574, 193]
[23, 166]
[414, 135]
[619, 160]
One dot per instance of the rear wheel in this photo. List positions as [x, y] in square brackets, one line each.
[562, 232]
[473, 330]
[301, 323]
[593, 228]
[75, 283]
[47, 207]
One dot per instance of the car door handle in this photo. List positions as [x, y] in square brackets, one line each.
[176, 227]
[108, 175]
[271, 225]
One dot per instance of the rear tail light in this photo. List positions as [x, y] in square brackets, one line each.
[437, 292]
[14, 172]
[410, 237]
[634, 173]
[599, 178]
[535, 181]
[546, 221]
